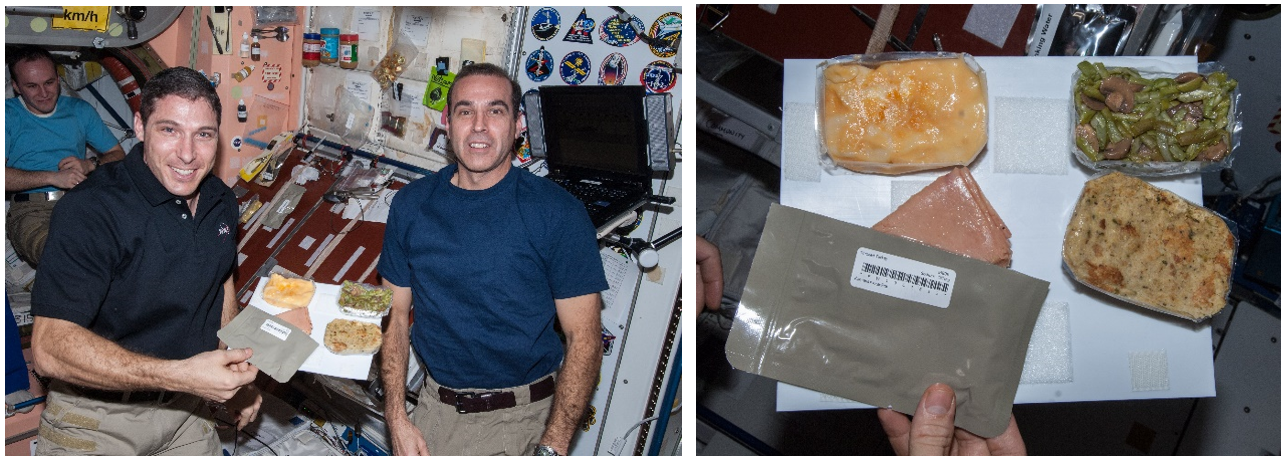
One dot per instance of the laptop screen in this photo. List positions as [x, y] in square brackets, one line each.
[596, 127]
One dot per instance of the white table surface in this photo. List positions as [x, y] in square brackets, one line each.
[1036, 207]
[322, 310]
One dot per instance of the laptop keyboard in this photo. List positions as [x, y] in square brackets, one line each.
[603, 203]
[591, 193]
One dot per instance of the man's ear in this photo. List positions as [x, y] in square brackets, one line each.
[138, 126]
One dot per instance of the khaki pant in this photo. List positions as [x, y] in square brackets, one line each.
[27, 226]
[76, 425]
[509, 432]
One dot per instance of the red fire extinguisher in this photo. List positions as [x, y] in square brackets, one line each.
[125, 81]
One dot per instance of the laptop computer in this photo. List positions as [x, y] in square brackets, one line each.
[595, 140]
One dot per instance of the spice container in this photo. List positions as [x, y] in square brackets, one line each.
[349, 51]
[330, 45]
[312, 50]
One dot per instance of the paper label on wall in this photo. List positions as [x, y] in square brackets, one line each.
[366, 22]
[359, 85]
[410, 104]
[902, 278]
[416, 27]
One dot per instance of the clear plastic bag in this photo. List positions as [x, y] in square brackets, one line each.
[352, 117]
[275, 16]
[401, 56]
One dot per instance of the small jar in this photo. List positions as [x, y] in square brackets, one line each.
[349, 51]
[312, 50]
[330, 45]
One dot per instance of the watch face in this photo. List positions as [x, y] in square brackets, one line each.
[543, 450]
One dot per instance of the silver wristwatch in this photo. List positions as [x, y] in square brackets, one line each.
[543, 450]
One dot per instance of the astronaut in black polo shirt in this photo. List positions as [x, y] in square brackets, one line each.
[135, 280]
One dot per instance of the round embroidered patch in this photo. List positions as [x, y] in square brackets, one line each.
[619, 33]
[574, 68]
[545, 23]
[658, 76]
[540, 65]
[666, 35]
[613, 70]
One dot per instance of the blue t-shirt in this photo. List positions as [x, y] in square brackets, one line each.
[35, 143]
[485, 268]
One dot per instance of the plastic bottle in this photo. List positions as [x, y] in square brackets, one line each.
[245, 45]
[245, 72]
[254, 49]
[330, 45]
[241, 110]
[349, 51]
[312, 50]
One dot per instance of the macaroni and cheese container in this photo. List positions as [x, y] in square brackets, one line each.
[894, 113]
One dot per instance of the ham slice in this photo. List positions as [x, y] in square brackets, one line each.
[298, 317]
[953, 214]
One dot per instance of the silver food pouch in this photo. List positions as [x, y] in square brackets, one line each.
[857, 313]
[279, 348]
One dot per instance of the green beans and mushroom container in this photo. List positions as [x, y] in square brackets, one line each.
[1150, 123]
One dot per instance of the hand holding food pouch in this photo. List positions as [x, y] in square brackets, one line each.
[279, 347]
[857, 313]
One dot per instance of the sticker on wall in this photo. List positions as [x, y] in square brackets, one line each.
[545, 23]
[436, 91]
[574, 68]
[272, 73]
[237, 143]
[540, 65]
[580, 29]
[589, 420]
[658, 76]
[609, 339]
[666, 31]
[613, 70]
[618, 33]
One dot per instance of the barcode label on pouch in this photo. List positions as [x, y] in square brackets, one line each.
[275, 329]
[902, 278]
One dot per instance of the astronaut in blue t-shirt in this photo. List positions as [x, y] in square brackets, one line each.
[45, 139]
[487, 257]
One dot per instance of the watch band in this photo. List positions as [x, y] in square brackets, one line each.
[543, 450]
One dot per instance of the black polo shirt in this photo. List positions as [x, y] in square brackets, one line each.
[127, 260]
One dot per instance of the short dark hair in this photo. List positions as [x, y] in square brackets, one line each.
[183, 82]
[21, 53]
[486, 69]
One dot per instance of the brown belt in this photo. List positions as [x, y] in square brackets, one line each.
[125, 396]
[38, 197]
[484, 401]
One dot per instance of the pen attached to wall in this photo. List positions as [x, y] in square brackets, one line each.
[214, 36]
